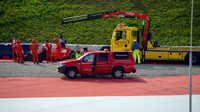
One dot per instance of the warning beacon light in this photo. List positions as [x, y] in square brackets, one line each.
[121, 25]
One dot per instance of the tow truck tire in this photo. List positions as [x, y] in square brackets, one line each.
[195, 59]
[117, 73]
[71, 73]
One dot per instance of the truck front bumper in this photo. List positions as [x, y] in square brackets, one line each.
[62, 69]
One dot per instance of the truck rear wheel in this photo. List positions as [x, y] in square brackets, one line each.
[71, 73]
[195, 59]
[118, 73]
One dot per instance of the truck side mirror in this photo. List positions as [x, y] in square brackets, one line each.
[84, 60]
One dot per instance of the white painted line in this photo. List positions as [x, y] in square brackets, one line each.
[175, 103]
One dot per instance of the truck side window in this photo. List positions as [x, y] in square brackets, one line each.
[103, 57]
[89, 58]
[124, 34]
[120, 35]
[134, 34]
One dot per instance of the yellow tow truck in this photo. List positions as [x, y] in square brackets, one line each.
[123, 36]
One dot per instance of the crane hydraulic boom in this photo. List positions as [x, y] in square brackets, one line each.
[114, 13]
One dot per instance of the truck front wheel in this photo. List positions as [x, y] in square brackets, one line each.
[71, 73]
[117, 73]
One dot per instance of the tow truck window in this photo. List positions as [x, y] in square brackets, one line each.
[137, 35]
[120, 35]
[121, 55]
[134, 34]
[103, 57]
[88, 58]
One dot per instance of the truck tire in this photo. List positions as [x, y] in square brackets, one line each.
[195, 59]
[117, 73]
[71, 73]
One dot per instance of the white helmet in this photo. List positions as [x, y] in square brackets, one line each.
[134, 40]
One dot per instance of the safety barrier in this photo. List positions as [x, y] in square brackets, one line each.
[6, 48]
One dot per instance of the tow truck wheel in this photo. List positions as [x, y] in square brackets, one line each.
[117, 73]
[195, 59]
[71, 73]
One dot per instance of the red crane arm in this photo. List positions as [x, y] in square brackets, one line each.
[113, 14]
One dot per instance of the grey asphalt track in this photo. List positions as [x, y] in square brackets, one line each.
[28, 69]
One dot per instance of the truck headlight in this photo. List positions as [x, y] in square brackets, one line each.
[61, 64]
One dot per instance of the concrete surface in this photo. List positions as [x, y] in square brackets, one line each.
[174, 103]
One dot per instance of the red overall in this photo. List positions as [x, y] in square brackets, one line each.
[58, 47]
[34, 50]
[18, 49]
[13, 48]
[48, 47]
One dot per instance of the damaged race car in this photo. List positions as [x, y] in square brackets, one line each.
[66, 53]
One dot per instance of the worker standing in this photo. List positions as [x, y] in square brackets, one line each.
[13, 47]
[77, 50]
[48, 47]
[58, 47]
[136, 52]
[34, 51]
[19, 51]
[62, 41]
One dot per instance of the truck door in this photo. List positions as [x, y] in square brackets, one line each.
[87, 64]
[103, 63]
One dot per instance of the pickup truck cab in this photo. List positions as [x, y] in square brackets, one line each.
[115, 63]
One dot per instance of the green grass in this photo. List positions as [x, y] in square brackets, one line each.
[41, 19]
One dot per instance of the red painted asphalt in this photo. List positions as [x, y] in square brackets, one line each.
[23, 87]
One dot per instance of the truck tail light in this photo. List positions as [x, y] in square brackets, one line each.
[134, 65]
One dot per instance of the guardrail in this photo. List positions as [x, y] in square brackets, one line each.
[6, 48]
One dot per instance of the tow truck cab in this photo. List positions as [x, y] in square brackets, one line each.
[99, 62]
[123, 36]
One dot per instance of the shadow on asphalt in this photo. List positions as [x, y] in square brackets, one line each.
[105, 80]
[166, 62]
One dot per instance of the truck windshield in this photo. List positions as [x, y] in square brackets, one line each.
[120, 35]
[82, 56]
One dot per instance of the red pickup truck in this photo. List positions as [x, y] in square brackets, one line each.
[115, 63]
